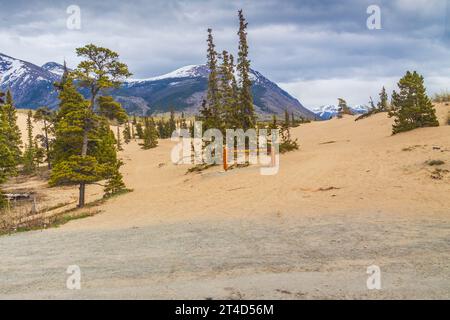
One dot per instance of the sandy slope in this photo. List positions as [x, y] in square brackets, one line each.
[238, 234]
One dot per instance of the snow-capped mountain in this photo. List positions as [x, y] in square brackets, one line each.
[182, 89]
[31, 85]
[54, 68]
[326, 112]
[185, 88]
[191, 71]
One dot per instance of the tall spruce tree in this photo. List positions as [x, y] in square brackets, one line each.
[411, 107]
[247, 114]
[7, 161]
[139, 130]
[212, 118]
[383, 104]
[228, 88]
[286, 118]
[150, 134]
[12, 131]
[115, 183]
[100, 70]
[70, 167]
[172, 126]
[127, 132]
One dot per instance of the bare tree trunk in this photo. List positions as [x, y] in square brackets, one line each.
[84, 149]
[82, 195]
[118, 138]
[82, 184]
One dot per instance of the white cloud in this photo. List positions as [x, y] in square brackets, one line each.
[314, 93]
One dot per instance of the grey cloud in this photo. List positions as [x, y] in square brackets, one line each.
[291, 41]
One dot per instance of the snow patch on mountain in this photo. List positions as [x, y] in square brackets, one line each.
[328, 111]
[191, 71]
[11, 70]
[54, 68]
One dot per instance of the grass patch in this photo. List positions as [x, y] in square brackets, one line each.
[239, 165]
[442, 97]
[54, 222]
[6, 227]
[438, 174]
[200, 167]
[435, 162]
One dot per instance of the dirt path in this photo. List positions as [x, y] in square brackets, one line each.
[274, 257]
[352, 197]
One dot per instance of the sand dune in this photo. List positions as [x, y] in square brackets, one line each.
[368, 168]
[353, 195]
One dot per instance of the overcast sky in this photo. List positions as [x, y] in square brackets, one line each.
[316, 50]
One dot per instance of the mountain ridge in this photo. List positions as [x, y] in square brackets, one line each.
[182, 89]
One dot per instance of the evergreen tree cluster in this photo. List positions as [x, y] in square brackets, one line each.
[382, 105]
[229, 101]
[410, 106]
[10, 140]
[85, 148]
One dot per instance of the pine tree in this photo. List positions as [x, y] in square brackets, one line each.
[287, 144]
[228, 88]
[212, 117]
[12, 131]
[343, 108]
[171, 124]
[115, 183]
[204, 115]
[72, 116]
[150, 134]
[286, 118]
[139, 130]
[247, 114]
[29, 157]
[101, 70]
[39, 153]
[383, 104]
[273, 125]
[70, 167]
[127, 133]
[46, 116]
[411, 107]
[7, 161]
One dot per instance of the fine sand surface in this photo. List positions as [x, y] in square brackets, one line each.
[352, 196]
